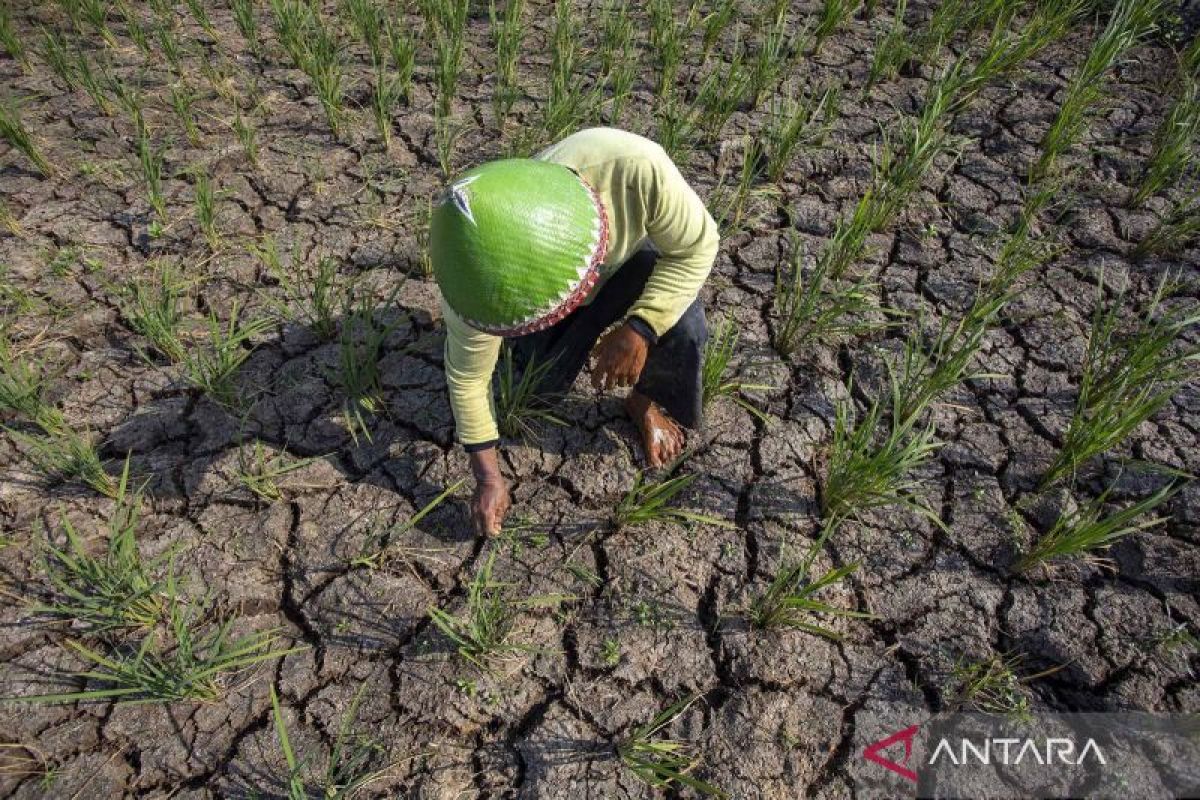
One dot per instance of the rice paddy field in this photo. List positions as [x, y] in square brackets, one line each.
[952, 415]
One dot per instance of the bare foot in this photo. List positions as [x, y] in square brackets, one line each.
[662, 437]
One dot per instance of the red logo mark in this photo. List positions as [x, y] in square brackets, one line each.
[906, 735]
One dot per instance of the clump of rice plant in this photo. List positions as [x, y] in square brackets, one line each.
[716, 24]
[620, 81]
[310, 297]
[508, 35]
[648, 501]
[892, 49]
[403, 49]
[833, 15]
[11, 41]
[797, 121]
[1127, 377]
[732, 204]
[245, 16]
[663, 762]
[261, 473]
[1081, 532]
[151, 160]
[522, 404]
[134, 27]
[247, 136]
[567, 103]
[871, 464]
[355, 761]
[56, 55]
[23, 387]
[211, 366]
[367, 19]
[182, 100]
[715, 378]
[791, 601]
[324, 67]
[200, 14]
[206, 208]
[1174, 142]
[1130, 23]
[616, 33]
[180, 662]
[772, 56]
[446, 131]
[94, 82]
[992, 686]
[169, 45]
[153, 310]
[360, 346]
[818, 307]
[1176, 230]
[668, 39]
[483, 633]
[449, 38]
[676, 126]
[721, 94]
[62, 453]
[114, 590]
[13, 131]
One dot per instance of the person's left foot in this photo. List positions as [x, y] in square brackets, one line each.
[662, 437]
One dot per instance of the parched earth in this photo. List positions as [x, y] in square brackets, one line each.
[664, 618]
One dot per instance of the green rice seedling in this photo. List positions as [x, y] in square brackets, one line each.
[567, 102]
[247, 136]
[796, 121]
[616, 35]
[134, 27]
[385, 96]
[483, 633]
[151, 159]
[23, 388]
[366, 17]
[115, 590]
[715, 378]
[169, 46]
[770, 59]
[212, 366]
[261, 473]
[446, 131]
[522, 405]
[1176, 230]
[668, 37]
[733, 204]
[647, 501]
[152, 309]
[1174, 142]
[56, 55]
[791, 601]
[314, 299]
[830, 18]
[1084, 531]
[200, 14]
[892, 49]
[245, 16]
[620, 82]
[991, 686]
[353, 763]
[13, 131]
[1127, 377]
[9, 223]
[181, 663]
[377, 558]
[818, 307]
[360, 347]
[65, 454]
[721, 94]
[870, 466]
[324, 67]
[508, 35]
[717, 24]
[294, 22]
[94, 84]
[1130, 23]
[11, 41]
[449, 39]
[206, 208]
[182, 100]
[403, 48]
[662, 762]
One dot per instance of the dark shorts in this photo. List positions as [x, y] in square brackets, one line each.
[672, 375]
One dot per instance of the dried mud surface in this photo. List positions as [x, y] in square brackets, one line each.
[777, 709]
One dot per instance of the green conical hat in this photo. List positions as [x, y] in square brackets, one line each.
[517, 244]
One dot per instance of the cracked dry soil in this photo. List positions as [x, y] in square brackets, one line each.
[777, 709]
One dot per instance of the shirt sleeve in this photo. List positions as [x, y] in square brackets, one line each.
[470, 359]
[686, 238]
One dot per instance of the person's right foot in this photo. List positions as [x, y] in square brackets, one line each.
[662, 437]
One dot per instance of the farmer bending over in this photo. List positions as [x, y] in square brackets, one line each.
[596, 231]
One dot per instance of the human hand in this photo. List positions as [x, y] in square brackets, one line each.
[489, 506]
[620, 356]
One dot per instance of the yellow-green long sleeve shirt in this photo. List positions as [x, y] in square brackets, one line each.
[647, 201]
